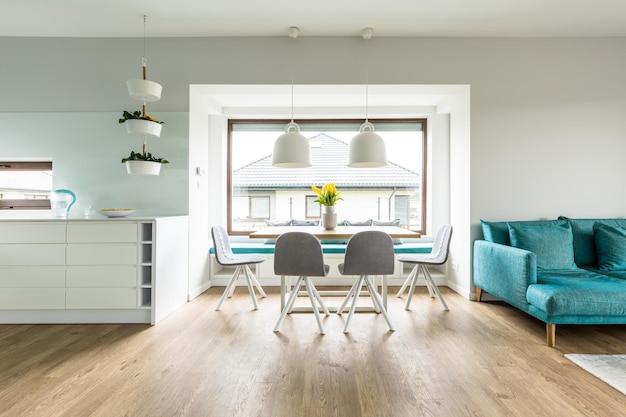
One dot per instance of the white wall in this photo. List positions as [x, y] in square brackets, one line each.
[547, 125]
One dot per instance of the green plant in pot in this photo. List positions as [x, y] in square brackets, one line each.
[140, 124]
[137, 115]
[145, 156]
[143, 163]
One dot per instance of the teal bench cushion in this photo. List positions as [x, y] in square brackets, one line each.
[264, 248]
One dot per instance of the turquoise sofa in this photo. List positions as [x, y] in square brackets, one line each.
[562, 271]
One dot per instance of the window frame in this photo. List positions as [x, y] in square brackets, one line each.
[229, 151]
[26, 203]
[308, 215]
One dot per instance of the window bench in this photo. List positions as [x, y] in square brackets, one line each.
[333, 255]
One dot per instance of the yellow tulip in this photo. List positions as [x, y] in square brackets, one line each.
[316, 190]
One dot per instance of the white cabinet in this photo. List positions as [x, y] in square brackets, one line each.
[102, 260]
[93, 271]
[32, 265]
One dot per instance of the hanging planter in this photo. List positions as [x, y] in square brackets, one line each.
[141, 125]
[143, 167]
[143, 128]
[143, 163]
[144, 90]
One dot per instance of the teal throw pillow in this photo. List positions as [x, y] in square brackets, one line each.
[553, 245]
[496, 232]
[611, 247]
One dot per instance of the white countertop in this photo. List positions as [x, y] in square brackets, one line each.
[47, 215]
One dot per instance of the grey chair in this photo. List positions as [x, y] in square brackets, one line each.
[224, 256]
[300, 254]
[367, 253]
[438, 256]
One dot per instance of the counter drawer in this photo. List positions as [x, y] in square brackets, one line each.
[101, 232]
[101, 254]
[32, 276]
[32, 254]
[32, 298]
[101, 298]
[101, 276]
[32, 232]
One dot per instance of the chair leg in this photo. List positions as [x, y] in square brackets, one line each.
[289, 305]
[345, 300]
[229, 288]
[319, 300]
[254, 281]
[406, 282]
[236, 275]
[435, 288]
[309, 290]
[377, 300]
[357, 293]
[375, 284]
[251, 290]
[429, 285]
[416, 268]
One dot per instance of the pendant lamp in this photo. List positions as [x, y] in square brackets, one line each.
[291, 149]
[367, 149]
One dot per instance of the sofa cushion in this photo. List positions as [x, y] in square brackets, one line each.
[578, 292]
[358, 223]
[552, 244]
[498, 232]
[305, 222]
[584, 240]
[610, 246]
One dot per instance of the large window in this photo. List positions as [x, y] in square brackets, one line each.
[25, 185]
[259, 192]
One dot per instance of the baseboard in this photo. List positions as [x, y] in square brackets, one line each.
[199, 290]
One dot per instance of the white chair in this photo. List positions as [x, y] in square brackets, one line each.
[438, 256]
[224, 256]
[300, 254]
[367, 253]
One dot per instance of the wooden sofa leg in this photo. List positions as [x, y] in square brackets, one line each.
[479, 294]
[551, 334]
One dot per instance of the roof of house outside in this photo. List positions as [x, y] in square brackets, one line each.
[329, 156]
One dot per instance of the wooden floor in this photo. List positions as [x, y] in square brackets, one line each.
[478, 359]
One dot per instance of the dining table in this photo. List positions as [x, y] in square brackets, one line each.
[337, 234]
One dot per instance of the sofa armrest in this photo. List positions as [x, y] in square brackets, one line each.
[504, 271]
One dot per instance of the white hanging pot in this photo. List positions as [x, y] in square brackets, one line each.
[141, 127]
[143, 167]
[144, 90]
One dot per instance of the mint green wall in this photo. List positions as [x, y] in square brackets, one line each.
[86, 151]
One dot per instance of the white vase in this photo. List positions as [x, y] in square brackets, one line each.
[141, 127]
[329, 217]
[143, 167]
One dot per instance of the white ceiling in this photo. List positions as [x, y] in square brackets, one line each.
[411, 18]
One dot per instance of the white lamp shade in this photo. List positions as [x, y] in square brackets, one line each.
[144, 90]
[291, 149]
[367, 149]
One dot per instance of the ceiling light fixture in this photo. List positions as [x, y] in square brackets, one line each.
[291, 149]
[367, 149]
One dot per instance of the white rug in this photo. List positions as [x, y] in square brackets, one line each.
[609, 368]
